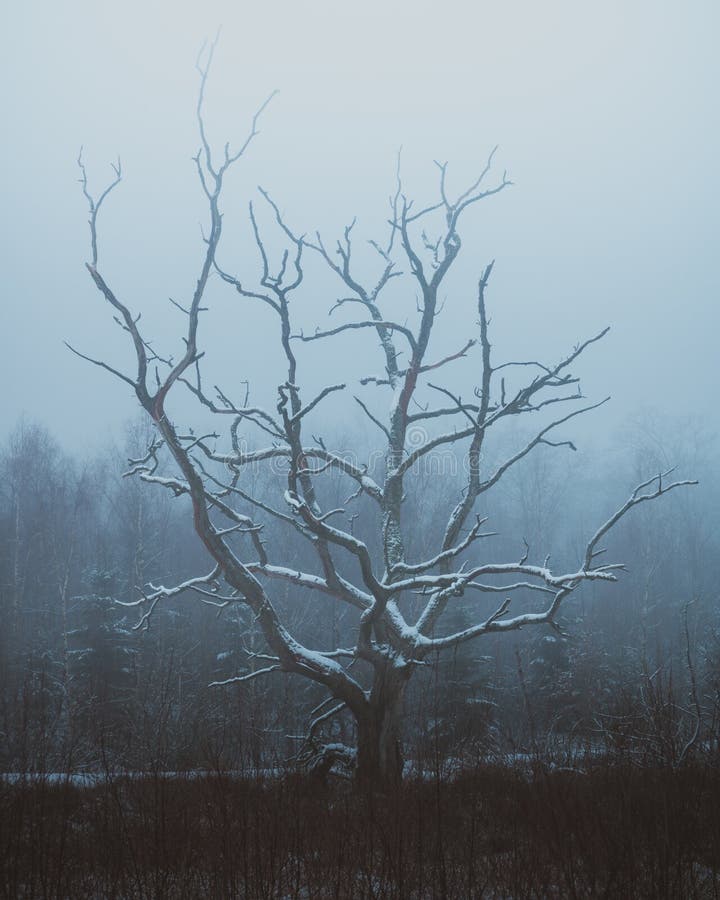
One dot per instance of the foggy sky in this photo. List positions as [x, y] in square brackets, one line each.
[606, 117]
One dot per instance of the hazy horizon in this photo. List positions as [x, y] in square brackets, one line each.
[606, 122]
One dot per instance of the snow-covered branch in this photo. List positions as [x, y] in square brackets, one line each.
[348, 560]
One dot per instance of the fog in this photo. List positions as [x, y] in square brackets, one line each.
[510, 650]
[605, 116]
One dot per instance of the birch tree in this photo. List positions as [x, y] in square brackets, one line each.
[399, 601]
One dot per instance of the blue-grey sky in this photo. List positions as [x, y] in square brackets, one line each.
[606, 117]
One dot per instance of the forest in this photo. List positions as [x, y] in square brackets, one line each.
[624, 694]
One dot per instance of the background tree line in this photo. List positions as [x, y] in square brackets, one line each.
[634, 670]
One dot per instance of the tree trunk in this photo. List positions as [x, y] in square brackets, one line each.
[379, 748]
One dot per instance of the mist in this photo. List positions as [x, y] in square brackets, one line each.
[604, 119]
[358, 462]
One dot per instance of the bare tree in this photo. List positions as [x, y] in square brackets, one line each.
[399, 601]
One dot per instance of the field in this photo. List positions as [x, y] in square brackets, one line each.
[523, 831]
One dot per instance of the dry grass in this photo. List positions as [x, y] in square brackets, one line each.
[612, 831]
